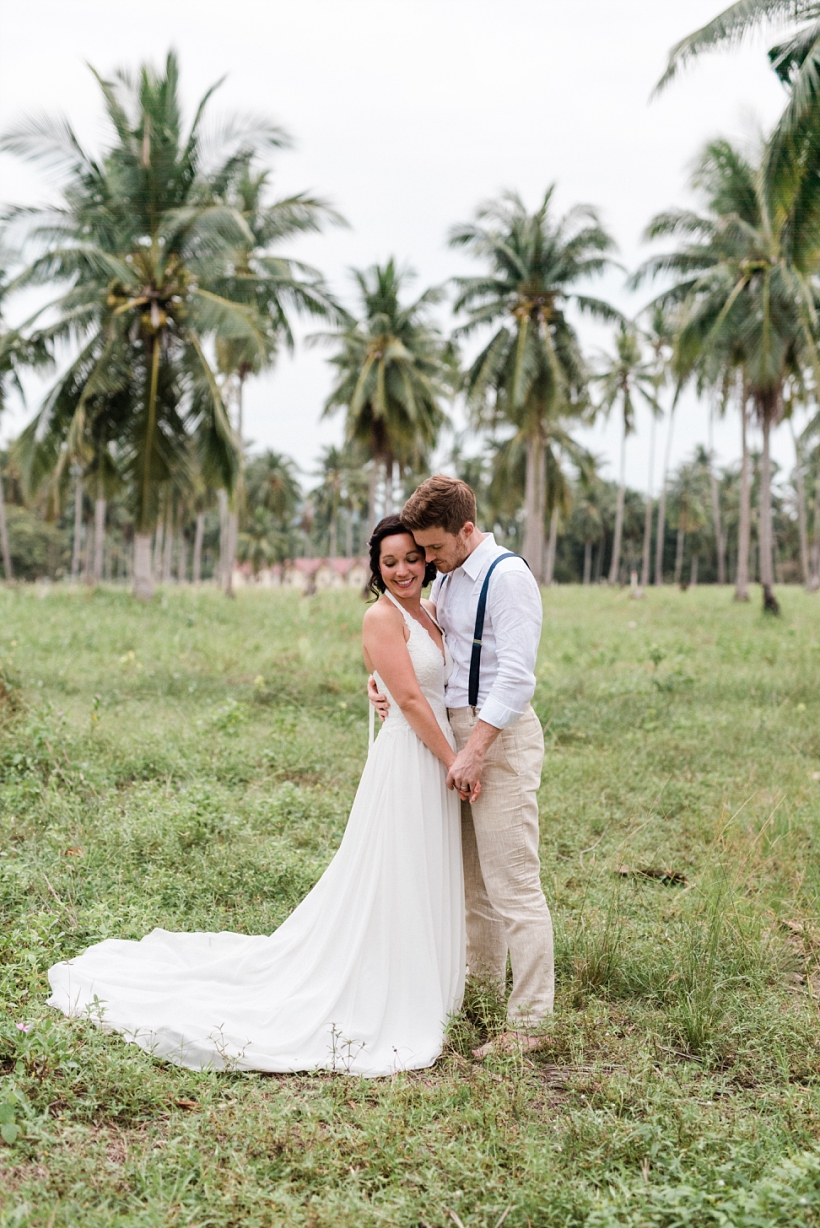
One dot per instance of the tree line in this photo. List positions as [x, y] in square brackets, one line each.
[165, 289]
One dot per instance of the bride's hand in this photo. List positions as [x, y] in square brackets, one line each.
[469, 793]
[380, 702]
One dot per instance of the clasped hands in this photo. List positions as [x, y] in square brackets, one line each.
[464, 774]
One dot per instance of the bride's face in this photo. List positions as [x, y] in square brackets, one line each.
[402, 565]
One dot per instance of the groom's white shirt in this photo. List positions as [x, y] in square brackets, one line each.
[512, 629]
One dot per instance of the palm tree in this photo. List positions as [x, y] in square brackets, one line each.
[508, 475]
[269, 284]
[796, 60]
[589, 525]
[795, 397]
[689, 508]
[746, 287]
[17, 351]
[327, 496]
[259, 542]
[659, 335]
[625, 378]
[531, 372]
[271, 484]
[811, 456]
[343, 483]
[715, 494]
[393, 372]
[140, 241]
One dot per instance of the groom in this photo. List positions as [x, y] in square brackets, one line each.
[500, 743]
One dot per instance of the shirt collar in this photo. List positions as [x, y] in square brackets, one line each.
[475, 563]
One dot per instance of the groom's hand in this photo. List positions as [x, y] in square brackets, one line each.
[380, 702]
[467, 768]
[468, 791]
[465, 773]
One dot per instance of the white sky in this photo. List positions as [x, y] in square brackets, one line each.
[406, 114]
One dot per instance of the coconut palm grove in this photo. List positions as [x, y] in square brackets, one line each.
[183, 709]
[167, 285]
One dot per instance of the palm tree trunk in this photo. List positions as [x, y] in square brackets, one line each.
[143, 575]
[386, 488]
[599, 558]
[86, 554]
[159, 539]
[232, 523]
[659, 544]
[332, 544]
[4, 537]
[349, 535]
[168, 551]
[239, 406]
[766, 569]
[100, 507]
[197, 564]
[718, 528]
[815, 550]
[693, 573]
[679, 555]
[372, 494]
[587, 562]
[647, 542]
[222, 500]
[801, 507]
[144, 516]
[745, 520]
[552, 544]
[647, 527]
[232, 537]
[182, 558]
[615, 565]
[78, 527]
[534, 496]
[227, 543]
[394, 481]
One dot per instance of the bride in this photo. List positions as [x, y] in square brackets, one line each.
[362, 976]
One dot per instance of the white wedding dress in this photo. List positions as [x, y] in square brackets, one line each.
[360, 978]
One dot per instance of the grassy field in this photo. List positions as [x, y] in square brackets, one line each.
[191, 764]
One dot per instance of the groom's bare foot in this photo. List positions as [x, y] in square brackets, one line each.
[509, 1042]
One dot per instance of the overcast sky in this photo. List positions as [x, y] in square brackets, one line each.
[406, 114]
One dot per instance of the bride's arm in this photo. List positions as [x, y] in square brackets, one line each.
[384, 644]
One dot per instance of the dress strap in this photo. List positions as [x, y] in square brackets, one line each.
[407, 617]
[433, 620]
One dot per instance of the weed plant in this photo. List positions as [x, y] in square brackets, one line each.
[190, 764]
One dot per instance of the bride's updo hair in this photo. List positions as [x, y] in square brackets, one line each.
[389, 527]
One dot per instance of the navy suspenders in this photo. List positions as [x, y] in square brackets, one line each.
[475, 657]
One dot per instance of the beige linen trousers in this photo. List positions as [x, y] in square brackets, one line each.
[506, 907]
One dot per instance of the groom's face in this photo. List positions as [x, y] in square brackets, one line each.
[447, 550]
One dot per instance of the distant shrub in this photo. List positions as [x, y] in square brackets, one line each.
[38, 549]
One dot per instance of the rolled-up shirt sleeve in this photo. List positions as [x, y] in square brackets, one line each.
[514, 605]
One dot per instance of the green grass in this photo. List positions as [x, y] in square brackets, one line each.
[191, 764]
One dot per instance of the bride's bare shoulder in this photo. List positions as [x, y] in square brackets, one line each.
[381, 616]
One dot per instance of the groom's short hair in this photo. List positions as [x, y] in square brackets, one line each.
[440, 503]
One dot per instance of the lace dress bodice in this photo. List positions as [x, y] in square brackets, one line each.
[431, 669]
